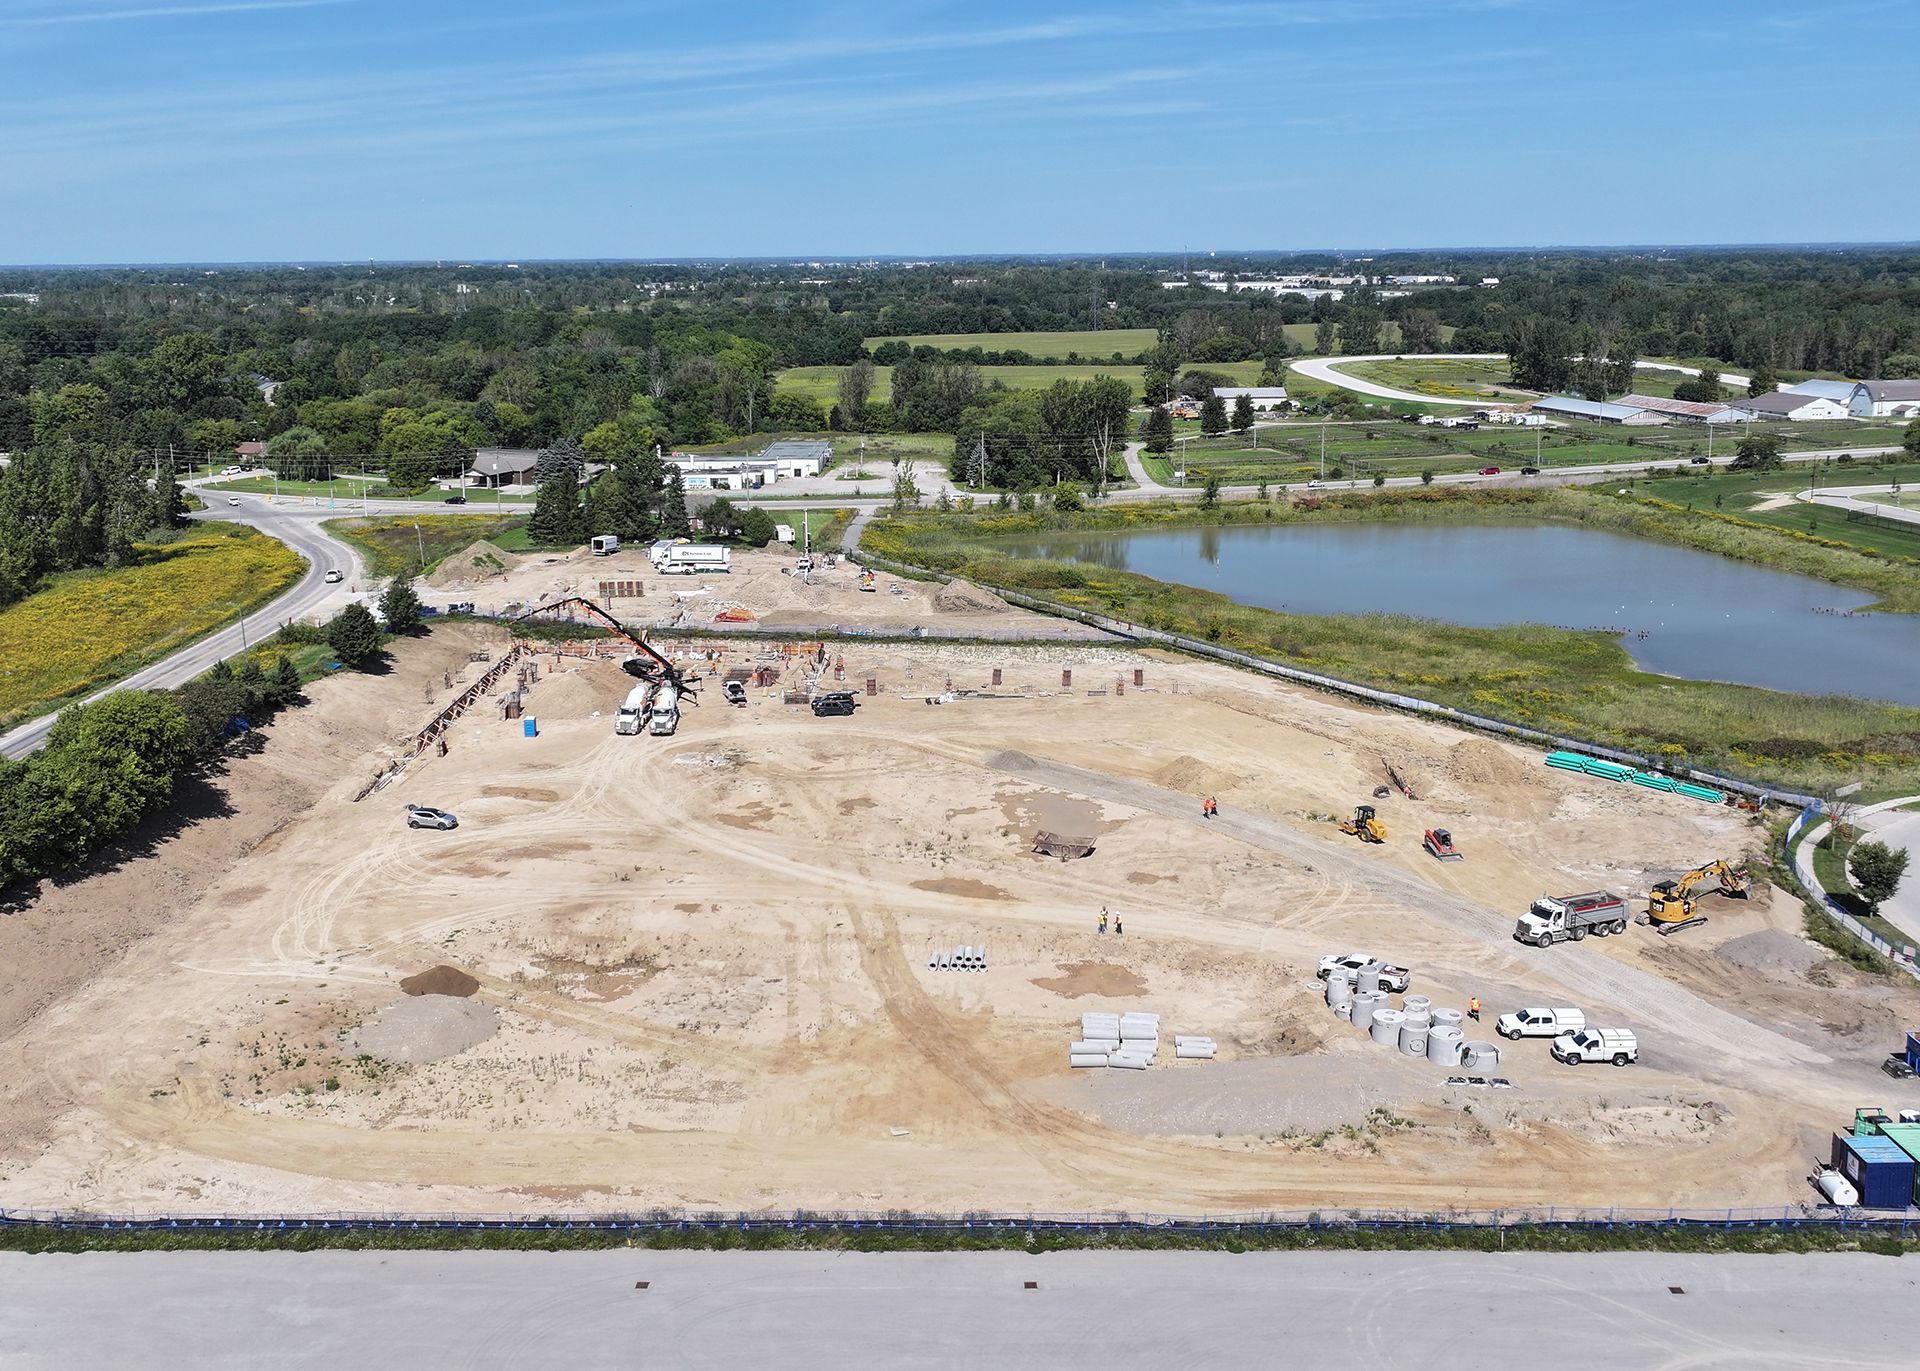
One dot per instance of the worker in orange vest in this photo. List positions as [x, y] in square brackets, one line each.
[1473, 1009]
[1208, 808]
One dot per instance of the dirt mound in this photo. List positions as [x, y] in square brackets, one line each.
[441, 980]
[575, 694]
[472, 564]
[424, 1028]
[1771, 952]
[959, 597]
[1478, 762]
[1195, 777]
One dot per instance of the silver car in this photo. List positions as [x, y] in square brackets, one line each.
[425, 816]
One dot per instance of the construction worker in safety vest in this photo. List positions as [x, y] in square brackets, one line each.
[1473, 1009]
[1208, 808]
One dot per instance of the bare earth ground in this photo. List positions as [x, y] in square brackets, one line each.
[761, 583]
[702, 978]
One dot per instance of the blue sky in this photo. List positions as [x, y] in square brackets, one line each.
[201, 130]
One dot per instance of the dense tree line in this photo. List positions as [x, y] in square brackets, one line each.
[1023, 439]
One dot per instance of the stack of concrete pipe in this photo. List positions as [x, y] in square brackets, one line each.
[1139, 1042]
[1368, 976]
[963, 958]
[1448, 1018]
[1367, 1003]
[1099, 1039]
[1443, 1045]
[1193, 1048]
[1384, 1026]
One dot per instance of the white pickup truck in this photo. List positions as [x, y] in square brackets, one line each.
[1540, 1023]
[1616, 1045]
[1392, 978]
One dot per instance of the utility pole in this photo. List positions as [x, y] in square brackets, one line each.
[421, 539]
[1323, 449]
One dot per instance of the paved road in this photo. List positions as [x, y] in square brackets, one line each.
[1116, 1311]
[1327, 369]
[304, 535]
[1853, 497]
[1901, 828]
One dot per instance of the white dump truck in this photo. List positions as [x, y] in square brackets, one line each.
[690, 559]
[1563, 918]
[665, 715]
[633, 711]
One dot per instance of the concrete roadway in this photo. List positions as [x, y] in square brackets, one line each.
[1852, 497]
[1901, 828]
[1438, 1311]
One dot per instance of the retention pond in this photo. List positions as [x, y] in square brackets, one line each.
[1678, 612]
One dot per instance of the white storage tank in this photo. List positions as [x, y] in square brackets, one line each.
[1443, 1045]
[1836, 1187]
[1365, 1004]
[1385, 1027]
[1479, 1056]
[1413, 1038]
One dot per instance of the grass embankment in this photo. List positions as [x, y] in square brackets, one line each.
[87, 629]
[1578, 683]
[1438, 377]
[393, 546]
[1888, 1241]
[1830, 857]
[823, 383]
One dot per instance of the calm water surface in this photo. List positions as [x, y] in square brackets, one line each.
[1683, 613]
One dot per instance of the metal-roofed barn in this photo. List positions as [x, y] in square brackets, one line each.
[1570, 407]
[1684, 411]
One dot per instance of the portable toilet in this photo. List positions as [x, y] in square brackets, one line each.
[1879, 1168]
[530, 727]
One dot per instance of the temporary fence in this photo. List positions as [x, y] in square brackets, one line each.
[1393, 700]
[1814, 891]
[1904, 1223]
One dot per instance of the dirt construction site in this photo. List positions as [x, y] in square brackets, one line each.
[704, 970]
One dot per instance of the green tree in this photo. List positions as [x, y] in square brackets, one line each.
[118, 758]
[286, 682]
[1426, 477]
[353, 635]
[673, 507]
[1702, 389]
[856, 388]
[906, 490]
[558, 519]
[1910, 438]
[1242, 412]
[300, 453]
[757, 526]
[1323, 335]
[1756, 452]
[1877, 870]
[1360, 331]
[1213, 416]
[1210, 490]
[1159, 430]
[1763, 381]
[400, 604]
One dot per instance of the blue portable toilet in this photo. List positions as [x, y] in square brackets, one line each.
[1878, 1167]
[530, 727]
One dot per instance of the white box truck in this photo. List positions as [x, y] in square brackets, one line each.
[690, 559]
[665, 715]
[604, 544]
[633, 711]
[1554, 919]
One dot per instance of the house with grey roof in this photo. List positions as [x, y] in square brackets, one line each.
[1832, 390]
[495, 467]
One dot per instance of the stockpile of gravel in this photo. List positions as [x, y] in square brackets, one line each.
[424, 1028]
[1772, 952]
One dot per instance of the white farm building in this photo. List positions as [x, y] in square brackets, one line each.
[1885, 400]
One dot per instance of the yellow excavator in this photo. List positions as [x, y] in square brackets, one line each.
[1364, 825]
[1671, 904]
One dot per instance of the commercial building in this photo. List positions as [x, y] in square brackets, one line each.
[788, 459]
[1598, 411]
[1264, 398]
[496, 467]
[1684, 411]
[1784, 404]
[1885, 400]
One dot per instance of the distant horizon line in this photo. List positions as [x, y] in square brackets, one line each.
[851, 258]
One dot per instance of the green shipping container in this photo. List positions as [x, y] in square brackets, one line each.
[1906, 1136]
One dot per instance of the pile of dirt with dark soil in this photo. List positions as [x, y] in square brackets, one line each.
[959, 597]
[440, 980]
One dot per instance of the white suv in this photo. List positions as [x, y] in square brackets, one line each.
[1616, 1045]
[1540, 1023]
[1392, 978]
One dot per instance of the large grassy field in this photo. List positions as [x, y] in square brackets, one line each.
[392, 546]
[1089, 343]
[1442, 379]
[1741, 493]
[823, 383]
[87, 629]
[1580, 684]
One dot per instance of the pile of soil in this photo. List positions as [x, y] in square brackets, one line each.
[472, 564]
[1478, 762]
[575, 693]
[441, 980]
[1771, 952]
[424, 1028]
[959, 597]
[1195, 777]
